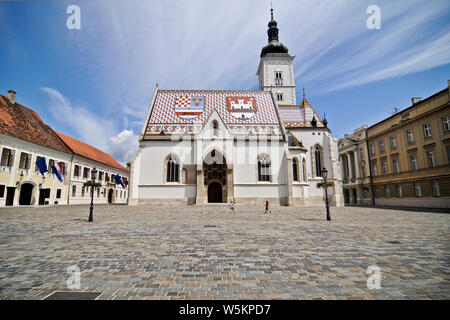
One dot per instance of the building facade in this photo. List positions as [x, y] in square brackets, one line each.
[217, 146]
[354, 157]
[409, 156]
[25, 138]
[85, 158]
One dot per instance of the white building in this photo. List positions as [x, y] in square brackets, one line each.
[208, 146]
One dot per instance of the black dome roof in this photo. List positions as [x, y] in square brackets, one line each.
[274, 45]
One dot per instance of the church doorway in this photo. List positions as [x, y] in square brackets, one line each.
[26, 191]
[215, 176]
[214, 192]
[110, 196]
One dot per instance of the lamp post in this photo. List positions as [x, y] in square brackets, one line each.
[324, 176]
[91, 211]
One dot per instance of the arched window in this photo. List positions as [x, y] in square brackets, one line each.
[304, 170]
[263, 168]
[215, 126]
[295, 169]
[318, 161]
[172, 169]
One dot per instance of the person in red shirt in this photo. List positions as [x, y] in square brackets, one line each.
[267, 207]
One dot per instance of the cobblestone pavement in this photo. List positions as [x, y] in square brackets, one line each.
[204, 252]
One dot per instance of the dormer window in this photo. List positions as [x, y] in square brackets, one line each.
[278, 78]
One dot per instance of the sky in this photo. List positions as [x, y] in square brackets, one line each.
[96, 83]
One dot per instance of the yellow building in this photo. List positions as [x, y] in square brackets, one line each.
[24, 138]
[408, 157]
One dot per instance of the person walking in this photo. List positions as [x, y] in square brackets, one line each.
[232, 207]
[267, 207]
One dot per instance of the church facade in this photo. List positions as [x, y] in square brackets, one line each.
[218, 146]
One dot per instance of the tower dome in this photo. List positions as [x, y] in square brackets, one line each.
[274, 45]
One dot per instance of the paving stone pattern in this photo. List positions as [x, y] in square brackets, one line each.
[205, 252]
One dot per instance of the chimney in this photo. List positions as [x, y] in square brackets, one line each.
[415, 100]
[12, 96]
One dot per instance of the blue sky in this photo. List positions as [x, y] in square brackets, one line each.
[96, 83]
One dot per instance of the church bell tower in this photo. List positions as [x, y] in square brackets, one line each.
[276, 68]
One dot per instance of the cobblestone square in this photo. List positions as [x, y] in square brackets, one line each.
[205, 252]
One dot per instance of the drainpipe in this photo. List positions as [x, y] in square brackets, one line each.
[70, 177]
[370, 169]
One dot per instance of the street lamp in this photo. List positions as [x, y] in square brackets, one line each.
[324, 176]
[91, 211]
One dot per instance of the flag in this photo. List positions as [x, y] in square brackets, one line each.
[125, 181]
[119, 180]
[42, 165]
[57, 170]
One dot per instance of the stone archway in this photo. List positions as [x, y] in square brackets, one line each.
[26, 194]
[215, 176]
[214, 169]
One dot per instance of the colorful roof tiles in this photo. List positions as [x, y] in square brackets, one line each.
[299, 115]
[190, 109]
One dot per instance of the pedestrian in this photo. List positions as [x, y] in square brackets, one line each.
[232, 207]
[267, 208]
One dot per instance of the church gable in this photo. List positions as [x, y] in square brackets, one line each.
[299, 115]
[187, 111]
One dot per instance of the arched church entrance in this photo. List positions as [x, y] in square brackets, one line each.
[215, 176]
[26, 192]
[110, 195]
[214, 192]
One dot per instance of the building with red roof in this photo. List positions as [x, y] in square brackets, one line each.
[25, 138]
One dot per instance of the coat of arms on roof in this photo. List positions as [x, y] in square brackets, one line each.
[189, 108]
[241, 107]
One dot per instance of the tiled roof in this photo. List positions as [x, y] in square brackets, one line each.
[23, 123]
[299, 115]
[187, 110]
[88, 151]
[293, 142]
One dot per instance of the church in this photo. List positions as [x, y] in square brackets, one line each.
[217, 146]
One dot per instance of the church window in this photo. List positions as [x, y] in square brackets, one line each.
[278, 78]
[263, 168]
[172, 169]
[295, 169]
[318, 161]
[215, 126]
[304, 169]
[279, 96]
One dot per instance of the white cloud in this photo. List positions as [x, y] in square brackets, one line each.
[90, 128]
[123, 146]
